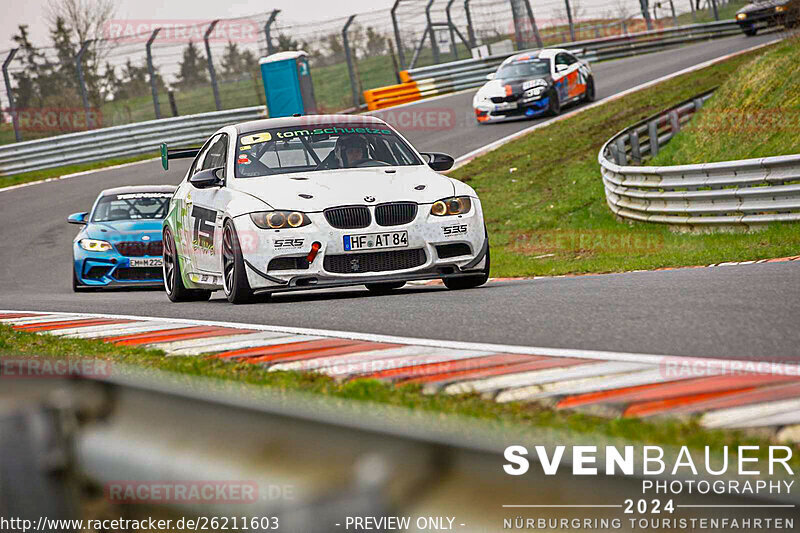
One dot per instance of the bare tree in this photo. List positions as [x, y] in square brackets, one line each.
[87, 18]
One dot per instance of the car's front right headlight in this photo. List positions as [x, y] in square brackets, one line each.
[781, 9]
[741, 16]
[93, 245]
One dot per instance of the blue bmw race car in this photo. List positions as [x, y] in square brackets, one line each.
[120, 243]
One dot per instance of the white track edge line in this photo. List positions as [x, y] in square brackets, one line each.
[74, 175]
[790, 369]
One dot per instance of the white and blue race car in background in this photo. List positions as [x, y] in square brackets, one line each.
[531, 84]
[120, 242]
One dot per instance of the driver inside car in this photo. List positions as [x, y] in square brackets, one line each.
[351, 151]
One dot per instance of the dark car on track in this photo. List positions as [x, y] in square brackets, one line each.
[765, 13]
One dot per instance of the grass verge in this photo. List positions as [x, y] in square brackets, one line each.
[755, 114]
[513, 415]
[37, 175]
[545, 206]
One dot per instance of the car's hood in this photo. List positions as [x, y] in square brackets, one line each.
[329, 188]
[122, 230]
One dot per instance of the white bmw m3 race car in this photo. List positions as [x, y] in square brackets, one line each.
[313, 202]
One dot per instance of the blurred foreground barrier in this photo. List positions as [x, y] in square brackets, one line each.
[118, 141]
[468, 73]
[729, 193]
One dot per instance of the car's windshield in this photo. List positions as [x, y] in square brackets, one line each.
[531, 68]
[132, 206]
[320, 147]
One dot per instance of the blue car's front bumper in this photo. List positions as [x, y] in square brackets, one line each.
[112, 269]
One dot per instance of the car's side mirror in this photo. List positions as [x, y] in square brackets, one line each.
[490, 76]
[208, 178]
[561, 68]
[438, 161]
[77, 218]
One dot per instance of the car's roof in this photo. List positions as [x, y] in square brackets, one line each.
[139, 188]
[546, 53]
[308, 121]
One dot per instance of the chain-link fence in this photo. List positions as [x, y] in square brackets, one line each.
[146, 69]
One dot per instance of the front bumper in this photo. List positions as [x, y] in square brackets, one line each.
[488, 112]
[438, 247]
[112, 270]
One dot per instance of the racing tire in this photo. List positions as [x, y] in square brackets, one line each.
[234, 276]
[173, 281]
[589, 95]
[553, 104]
[384, 288]
[472, 281]
[751, 32]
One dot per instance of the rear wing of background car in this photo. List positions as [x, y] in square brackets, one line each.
[177, 153]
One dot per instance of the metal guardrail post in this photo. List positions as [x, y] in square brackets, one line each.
[349, 57]
[211, 72]
[652, 133]
[636, 150]
[450, 26]
[434, 45]
[267, 27]
[675, 122]
[569, 19]
[401, 56]
[470, 30]
[152, 71]
[82, 81]
[10, 94]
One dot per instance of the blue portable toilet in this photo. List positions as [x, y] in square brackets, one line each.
[287, 84]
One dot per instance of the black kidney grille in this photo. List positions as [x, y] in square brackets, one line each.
[138, 249]
[395, 214]
[374, 261]
[348, 217]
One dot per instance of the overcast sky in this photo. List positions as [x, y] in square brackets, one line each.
[32, 12]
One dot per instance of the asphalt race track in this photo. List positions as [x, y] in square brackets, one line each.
[736, 311]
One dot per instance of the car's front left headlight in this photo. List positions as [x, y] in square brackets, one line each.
[93, 245]
[279, 219]
[457, 205]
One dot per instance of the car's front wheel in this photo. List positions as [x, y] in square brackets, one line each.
[384, 288]
[471, 281]
[751, 31]
[173, 281]
[589, 95]
[234, 276]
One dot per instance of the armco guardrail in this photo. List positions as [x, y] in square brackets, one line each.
[117, 141]
[730, 193]
[468, 73]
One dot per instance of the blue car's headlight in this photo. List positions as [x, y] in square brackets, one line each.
[92, 245]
